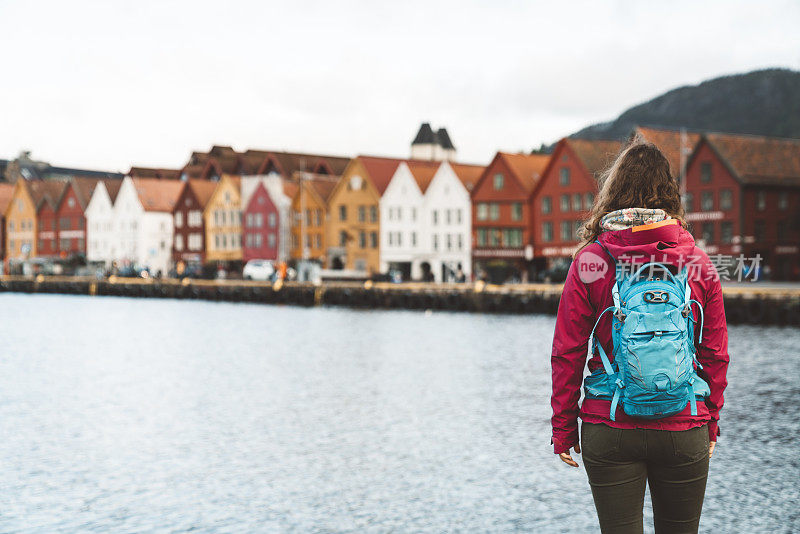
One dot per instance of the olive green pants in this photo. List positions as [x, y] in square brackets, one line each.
[619, 462]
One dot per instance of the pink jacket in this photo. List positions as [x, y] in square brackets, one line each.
[588, 291]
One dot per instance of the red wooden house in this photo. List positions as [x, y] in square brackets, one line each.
[71, 215]
[501, 218]
[564, 196]
[743, 197]
[189, 242]
[46, 196]
[261, 222]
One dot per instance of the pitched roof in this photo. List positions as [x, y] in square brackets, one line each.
[225, 160]
[423, 172]
[203, 190]
[444, 139]
[153, 172]
[596, 155]
[156, 194]
[84, 187]
[527, 168]
[759, 160]
[425, 135]
[6, 192]
[112, 187]
[669, 142]
[468, 174]
[380, 170]
[47, 191]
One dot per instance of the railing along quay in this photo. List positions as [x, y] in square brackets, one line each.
[744, 304]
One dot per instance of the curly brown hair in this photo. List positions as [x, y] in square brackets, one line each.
[640, 177]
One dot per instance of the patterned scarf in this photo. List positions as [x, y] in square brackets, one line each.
[629, 217]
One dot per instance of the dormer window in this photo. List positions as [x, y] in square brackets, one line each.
[355, 183]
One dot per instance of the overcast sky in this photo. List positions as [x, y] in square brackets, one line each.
[108, 84]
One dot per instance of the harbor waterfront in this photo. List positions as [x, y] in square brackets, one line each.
[161, 415]
[745, 303]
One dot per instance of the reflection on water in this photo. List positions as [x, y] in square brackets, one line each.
[131, 415]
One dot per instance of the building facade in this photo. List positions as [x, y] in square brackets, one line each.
[189, 241]
[20, 220]
[223, 220]
[47, 196]
[261, 228]
[309, 217]
[501, 217]
[102, 243]
[565, 194]
[6, 192]
[354, 223]
[71, 214]
[743, 197]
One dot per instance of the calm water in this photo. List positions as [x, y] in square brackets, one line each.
[141, 415]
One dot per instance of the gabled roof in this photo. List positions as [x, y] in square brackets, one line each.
[468, 174]
[6, 192]
[380, 171]
[153, 172]
[156, 194]
[112, 187]
[423, 172]
[527, 168]
[47, 191]
[203, 190]
[669, 142]
[225, 160]
[321, 184]
[84, 187]
[759, 160]
[596, 155]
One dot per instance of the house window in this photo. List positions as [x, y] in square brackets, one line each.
[271, 220]
[178, 219]
[178, 242]
[708, 232]
[435, 242]
[726, 234]
[516, 211]
[783, 200]
[435, 216]
[271, 240]
[413, 214]
[413, 239]
[564, 203]
[576, 202]
[373, 213]
[563, 177]
[725, 200]
[308, 217]
[482, 237]
[588, 201]
[373, 239]
[447, 217]
[362, 239]
[547, 231]
[761, 201]
[342, 213]
[494, 211]
[317, 241]
[342, 238]
[460, 241]
[483, 211]
[498, 182]
[63, 223]
[362, 214]
[318, 217]
[707, 201]
[449, 241]
[494, 237]
[705, 172]
[64, 244]
[458, 216]
[547, 205]
[259, 220]
[566, 231]
[688, 202]
[512, 237]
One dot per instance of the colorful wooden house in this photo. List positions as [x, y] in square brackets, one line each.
[310, 215]
[71, 214]
[189, 243]
[6, 192]
[223, 221]
[20, 221]
[47, 196]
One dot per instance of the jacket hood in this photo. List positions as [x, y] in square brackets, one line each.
[666, 240]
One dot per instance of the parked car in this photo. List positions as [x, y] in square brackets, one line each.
[258, 270]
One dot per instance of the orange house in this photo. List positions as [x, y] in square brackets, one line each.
[6, 191]
[310, 214]
[20, 222]
[354, 221]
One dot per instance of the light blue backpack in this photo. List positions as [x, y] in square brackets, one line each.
[653, 372]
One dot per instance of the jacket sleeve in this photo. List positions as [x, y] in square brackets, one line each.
[713, 353]
[570, 341]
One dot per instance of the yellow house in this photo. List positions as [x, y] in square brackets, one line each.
[353, 218]
[310, 215]
[223, 218]
[20, 225]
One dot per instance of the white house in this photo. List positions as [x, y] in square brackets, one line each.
[447, 223]
[101, 224]
[402, 246]
[138, 230]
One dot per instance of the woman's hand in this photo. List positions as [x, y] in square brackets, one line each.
[710, 449]
[567, 458]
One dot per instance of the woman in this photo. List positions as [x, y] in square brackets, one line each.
[638, 217]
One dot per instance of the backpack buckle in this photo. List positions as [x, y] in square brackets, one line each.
[686, 311]
[620, 315]
[656, 297]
